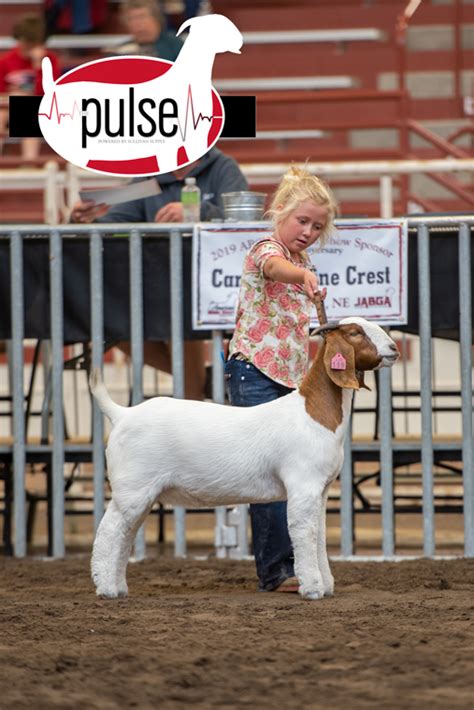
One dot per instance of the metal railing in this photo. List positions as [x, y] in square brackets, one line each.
[58, 449]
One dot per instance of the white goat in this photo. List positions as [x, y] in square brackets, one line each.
[204, 454]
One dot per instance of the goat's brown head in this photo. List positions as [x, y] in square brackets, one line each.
[354, 345]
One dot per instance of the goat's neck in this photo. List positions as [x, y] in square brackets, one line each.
[187, 59]
[325, 402]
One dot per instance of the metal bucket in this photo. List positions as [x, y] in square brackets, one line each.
[243, 206]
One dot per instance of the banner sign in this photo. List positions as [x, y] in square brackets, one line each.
[363, 265]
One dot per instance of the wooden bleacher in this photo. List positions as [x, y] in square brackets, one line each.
[290, 46]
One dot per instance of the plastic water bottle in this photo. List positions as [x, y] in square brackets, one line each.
[191, 200]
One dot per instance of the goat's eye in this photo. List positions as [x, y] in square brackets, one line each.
[354, 333]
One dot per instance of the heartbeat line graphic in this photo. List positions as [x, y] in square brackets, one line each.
[190, 115]
[59, 115]
[195, 121]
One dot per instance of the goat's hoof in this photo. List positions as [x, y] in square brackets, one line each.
[329, 590]
[107, 593]
[312, 595]
[122, 593]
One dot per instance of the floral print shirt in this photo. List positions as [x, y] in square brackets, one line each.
[272, 329]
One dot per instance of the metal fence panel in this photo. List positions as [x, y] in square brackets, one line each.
[57, 356]
[465, 328]
[16, 383]
[97, 333]
[425, 388]
[386, 447]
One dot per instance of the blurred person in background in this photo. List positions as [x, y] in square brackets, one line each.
[20, 71]
[215, 174]
[145, 21]
[74, 16]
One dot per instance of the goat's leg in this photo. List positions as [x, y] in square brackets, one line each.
[328, 579]
[304, 514]
[126, 549]
[112, 535]
[112, 546]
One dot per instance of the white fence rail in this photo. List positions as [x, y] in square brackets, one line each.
[61, 187]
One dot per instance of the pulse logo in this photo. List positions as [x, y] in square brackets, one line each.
[138, 116]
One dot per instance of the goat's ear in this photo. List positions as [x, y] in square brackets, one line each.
[184, 26]
[337, 345]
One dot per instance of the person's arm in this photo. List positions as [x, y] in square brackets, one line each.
[278, 269]
[227, 177]
[87, 212]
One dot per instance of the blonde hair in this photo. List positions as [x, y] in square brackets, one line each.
[298, 185]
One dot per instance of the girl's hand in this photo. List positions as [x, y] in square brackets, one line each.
[310, 283]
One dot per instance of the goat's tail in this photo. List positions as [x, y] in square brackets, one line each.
[111, 409]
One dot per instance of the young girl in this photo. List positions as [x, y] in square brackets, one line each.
[268, 353]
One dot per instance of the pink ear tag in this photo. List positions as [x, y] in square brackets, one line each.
[338, 362]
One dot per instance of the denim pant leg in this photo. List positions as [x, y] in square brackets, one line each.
[246, 387]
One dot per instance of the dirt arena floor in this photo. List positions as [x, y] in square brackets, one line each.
[395, 635]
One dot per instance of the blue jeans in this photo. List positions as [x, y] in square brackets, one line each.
[247, 386]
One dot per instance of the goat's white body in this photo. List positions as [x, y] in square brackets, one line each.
[203, 454]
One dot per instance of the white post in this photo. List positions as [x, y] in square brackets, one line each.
[51, 202]
[386, 196]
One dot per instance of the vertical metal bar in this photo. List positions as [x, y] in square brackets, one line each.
[405, 378]
[15, 365]
[347, 505]
[386, 196]
[136, 337]
[57, 347]
[218, 393]
[177, 360]
[218, 396]
[424, 308]
[465, 330]
[386, 462]
[177, 324]
[97, 334]
[242, 532]
[434, 401]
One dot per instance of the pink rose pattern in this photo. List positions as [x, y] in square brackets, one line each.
[272, 328]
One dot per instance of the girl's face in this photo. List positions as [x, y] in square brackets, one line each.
[302, 227]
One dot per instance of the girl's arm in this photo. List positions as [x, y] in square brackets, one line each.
[278, 269]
